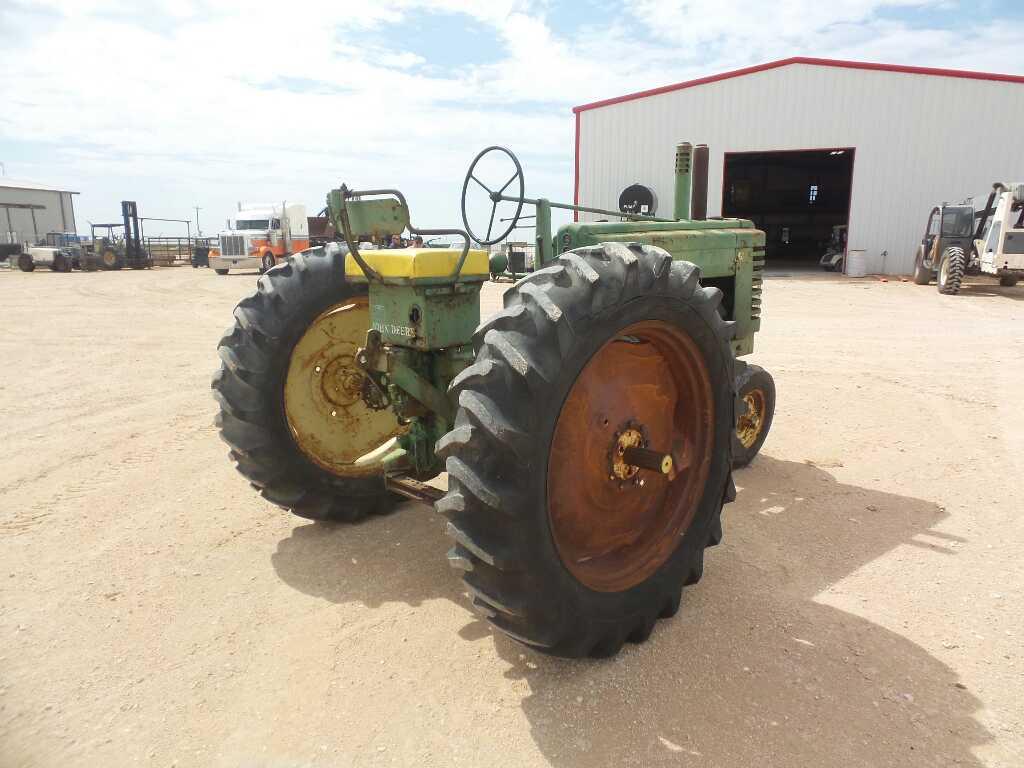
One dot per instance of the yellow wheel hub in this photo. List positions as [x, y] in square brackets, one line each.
[749, 426]
[323, 401]
[109, 258]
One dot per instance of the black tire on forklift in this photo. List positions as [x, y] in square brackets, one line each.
[108, 260]
[25, 263]
[952, 266]
[755, 409]
[1008, 281]
[255, 355]
[267, 263]
[500, 454]
[221, 271]
[922, 274]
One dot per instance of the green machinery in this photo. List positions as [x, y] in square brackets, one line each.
[589, 429]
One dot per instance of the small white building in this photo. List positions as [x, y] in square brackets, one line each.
[29, 210]
[802, 145]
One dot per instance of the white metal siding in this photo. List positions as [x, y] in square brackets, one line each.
[919, 140]
[50, 219]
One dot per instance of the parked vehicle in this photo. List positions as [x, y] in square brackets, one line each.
[834, 259]
[60, 251]
[57, 259]
[261, 236]
[121, 245]
[589, 428]
[960, 240]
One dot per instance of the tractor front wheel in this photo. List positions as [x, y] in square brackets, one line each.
[613, 355]
[1008, 281]
[951, 270]
[755, 393]
[290, 393]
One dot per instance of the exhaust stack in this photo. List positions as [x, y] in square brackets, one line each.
[699, 206]
[684, 173]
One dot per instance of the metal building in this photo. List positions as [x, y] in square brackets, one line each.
[805, 146]
[29, 210]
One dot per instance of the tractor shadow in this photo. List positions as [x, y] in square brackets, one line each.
[755, 670]
[981, 289]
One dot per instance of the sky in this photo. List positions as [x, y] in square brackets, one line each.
[177, 104]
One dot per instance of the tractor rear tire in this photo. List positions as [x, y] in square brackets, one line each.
[1008, 281]
[952, 266]
[922, 274]
[755, 409]
[256, 360]
[507, 455]
[25, 263]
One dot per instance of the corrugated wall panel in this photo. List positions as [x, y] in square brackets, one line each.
[919, 140]
[47, 219]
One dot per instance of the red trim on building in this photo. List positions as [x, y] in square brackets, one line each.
[803, 60]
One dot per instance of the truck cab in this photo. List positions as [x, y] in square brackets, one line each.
[260, 236]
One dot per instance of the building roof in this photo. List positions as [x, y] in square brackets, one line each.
[803, 60]
[9, 183]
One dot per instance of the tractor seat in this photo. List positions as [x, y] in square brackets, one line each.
[420, 263]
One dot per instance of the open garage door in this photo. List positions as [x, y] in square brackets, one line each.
[801, 199]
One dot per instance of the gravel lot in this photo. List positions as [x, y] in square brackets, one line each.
[864, 609]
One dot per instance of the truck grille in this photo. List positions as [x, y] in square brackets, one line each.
[232, 245]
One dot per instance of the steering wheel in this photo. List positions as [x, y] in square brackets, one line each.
[495, 197]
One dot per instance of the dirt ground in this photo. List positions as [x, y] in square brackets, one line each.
[864, 608]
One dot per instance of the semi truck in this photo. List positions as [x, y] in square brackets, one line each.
[260, 236]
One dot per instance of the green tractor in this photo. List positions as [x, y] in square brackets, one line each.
[589, 430]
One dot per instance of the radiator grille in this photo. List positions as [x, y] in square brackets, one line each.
[755, 287]
[232, 245]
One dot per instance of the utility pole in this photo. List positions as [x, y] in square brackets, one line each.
[199, 232]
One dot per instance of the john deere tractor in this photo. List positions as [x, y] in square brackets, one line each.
[589, 429]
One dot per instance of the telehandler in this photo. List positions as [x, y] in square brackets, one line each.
[589, 429]
[960, 241]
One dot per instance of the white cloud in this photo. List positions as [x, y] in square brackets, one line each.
[192, 102]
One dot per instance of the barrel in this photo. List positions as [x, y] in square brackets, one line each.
[856, 263]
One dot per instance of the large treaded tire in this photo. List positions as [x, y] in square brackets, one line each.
[952, 266]
[750, 377]
[117, 262]
[528, 357]
[25, 263]
[249, 386]
[922, 274]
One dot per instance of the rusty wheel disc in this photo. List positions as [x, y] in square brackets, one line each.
[749, 426]
[614, 527]
[323, 401]
[109, 259]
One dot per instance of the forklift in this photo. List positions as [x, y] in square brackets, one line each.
[111, 251]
